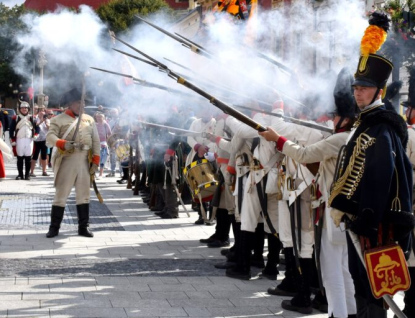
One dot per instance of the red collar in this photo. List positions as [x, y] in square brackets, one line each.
[70, 113]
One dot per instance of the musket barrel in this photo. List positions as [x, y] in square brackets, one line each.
[224, 107]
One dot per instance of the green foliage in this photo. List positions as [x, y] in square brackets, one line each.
[10, 24]
[400, 44]
[119, 14]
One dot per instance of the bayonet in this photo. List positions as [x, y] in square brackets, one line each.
[143, 82]
[186, 44]
[135, 57]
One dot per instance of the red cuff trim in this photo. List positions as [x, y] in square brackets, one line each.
[60, 143]
[170, 152]
[218, 139]
[95, 159]
[222, 160]
[231, 170]
[280, 143]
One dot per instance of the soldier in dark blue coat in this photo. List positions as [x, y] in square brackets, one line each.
[374, 175]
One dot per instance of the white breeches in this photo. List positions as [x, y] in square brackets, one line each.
[73, 171]
[337, 280]
[24, 147]
[307, 233]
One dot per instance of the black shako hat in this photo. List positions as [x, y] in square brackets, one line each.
[343, 94]
[71, 96]
[373, 71]
[411, 89]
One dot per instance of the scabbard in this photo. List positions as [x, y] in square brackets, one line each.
[292, 209]
[318, 230]
[97, 193]
[299, 224]
[263, 200]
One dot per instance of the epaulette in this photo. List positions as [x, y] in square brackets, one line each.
[5, 112]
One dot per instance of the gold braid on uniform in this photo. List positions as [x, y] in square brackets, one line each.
[349, 181]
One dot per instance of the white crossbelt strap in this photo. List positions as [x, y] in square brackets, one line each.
[65, 134]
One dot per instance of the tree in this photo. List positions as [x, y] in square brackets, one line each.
[10, 24]
[400, 45]
[119, 14]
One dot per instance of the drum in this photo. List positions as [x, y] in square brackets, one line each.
[201, 180]
[123, 152]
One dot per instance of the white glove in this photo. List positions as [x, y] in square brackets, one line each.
[336, 215]
[69, 145]
[13, 143]
[210, 156]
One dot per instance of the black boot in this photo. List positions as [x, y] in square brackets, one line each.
[27, 162]
[125, 176]
[257, 259]
[56, 216]
[223, 226]
[83, 220]
[242, 270]
[20, 168]
[274, 247]
[234, 250]
[288, 286]
[302, 301]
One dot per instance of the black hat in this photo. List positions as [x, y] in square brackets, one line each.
[392, 90]
[411, 89]
[71, 96]
[373, 70]
[343, 94]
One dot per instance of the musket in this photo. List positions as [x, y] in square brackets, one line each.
[186, 44]
[213, 100]
[143, 82]
[290, 119]
[196, 48]
[179, 131]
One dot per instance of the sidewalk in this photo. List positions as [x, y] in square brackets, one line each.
[137, 265]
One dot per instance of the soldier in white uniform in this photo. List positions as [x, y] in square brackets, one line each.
[333, 258]
[22, 131]
[71, 163]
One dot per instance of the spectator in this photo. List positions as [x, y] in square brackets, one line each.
[43, 122]
[104, 131]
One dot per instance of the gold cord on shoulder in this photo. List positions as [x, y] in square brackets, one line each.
[349, 181]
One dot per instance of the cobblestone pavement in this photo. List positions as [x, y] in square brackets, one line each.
[137, 265]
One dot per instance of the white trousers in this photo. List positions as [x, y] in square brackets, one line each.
[24, 147]
[73, 171]
[251, 210]
[337, 280]
[307, 233]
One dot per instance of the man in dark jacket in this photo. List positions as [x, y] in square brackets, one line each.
[374, 173]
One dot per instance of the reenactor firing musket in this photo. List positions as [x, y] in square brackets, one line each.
[178, 131]
[291, 119]
[216, 102]
[144, 83]
[194, 47]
